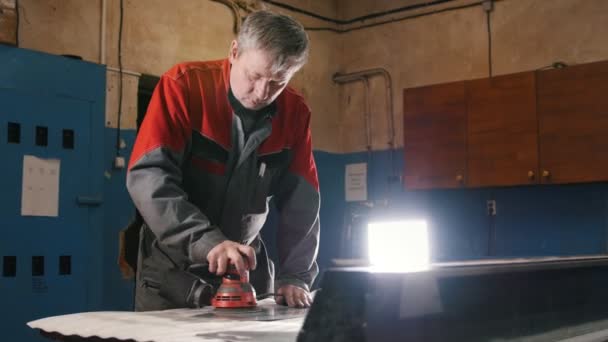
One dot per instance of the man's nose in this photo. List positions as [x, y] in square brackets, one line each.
[262, 89]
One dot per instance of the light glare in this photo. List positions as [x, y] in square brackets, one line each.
[398, 246]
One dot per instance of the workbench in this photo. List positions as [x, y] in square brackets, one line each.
[525, 300]
[267, 322]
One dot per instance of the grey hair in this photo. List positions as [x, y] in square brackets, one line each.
[280, 35]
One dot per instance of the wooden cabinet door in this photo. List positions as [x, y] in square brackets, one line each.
[573, 123]
[435, 136]
[502, 131]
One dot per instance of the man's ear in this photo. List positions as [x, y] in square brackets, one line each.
[234, 49]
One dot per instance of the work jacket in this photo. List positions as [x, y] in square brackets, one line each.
[197, 179]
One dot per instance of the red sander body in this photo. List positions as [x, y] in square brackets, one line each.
[235, 291]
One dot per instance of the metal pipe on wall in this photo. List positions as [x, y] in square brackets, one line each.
[367, 118]
[124, 72]
[103, 42]
[235, 10]
[367, 113]
[368, 128]
[102, 32]
[354, 76]
[366, 74]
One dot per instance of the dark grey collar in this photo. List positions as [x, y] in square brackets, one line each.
[240, 110]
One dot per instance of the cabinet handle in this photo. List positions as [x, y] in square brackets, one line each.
[91, 201]
[546, 174]
[531, 175]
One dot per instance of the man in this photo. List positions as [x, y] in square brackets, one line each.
[219, 140]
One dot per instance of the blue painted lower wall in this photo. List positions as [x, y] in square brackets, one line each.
[530, 221]
[118, 209]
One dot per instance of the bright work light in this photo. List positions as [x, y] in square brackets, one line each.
[398, 246]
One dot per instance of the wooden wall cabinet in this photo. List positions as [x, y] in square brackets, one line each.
[573, 123]
[435, 136]
[545, 127]
[502, 131]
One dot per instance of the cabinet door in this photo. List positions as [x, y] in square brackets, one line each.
[55, 158]
[502, 131]
[573, 123]
[435, 136]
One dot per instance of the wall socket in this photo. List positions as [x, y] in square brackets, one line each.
[491, 207]
[119, 162]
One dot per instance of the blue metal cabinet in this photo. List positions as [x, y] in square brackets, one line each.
[51, 107]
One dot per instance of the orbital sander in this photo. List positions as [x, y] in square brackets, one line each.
[235, 291]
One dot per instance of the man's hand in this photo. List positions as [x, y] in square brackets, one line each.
[293, 296]
[220, 256]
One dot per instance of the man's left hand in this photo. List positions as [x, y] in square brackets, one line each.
[293, 296]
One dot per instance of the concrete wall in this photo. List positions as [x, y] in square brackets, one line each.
[350, 9]
[158, 34]
[8, 22]
[450, 46]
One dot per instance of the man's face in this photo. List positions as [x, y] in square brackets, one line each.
[251, 78]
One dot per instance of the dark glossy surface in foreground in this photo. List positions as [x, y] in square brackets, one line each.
[551, 300]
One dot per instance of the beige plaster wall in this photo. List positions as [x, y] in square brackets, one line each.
[8, 22]
[348, 9]
[448, 46]
[314, 80]
[158, 34]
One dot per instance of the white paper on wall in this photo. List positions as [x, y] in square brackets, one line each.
[356, 182]
[40, 187]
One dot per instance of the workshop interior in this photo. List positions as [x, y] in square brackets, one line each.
[461, 149]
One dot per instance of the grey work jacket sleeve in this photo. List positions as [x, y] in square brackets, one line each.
[298, 203]
[154, 178]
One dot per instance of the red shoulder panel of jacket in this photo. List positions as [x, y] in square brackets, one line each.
[193, 96]
[210, 112]
[166, 123]
[291, 130]
[184, 93]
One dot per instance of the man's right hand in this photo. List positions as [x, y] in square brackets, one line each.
[227, 252]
